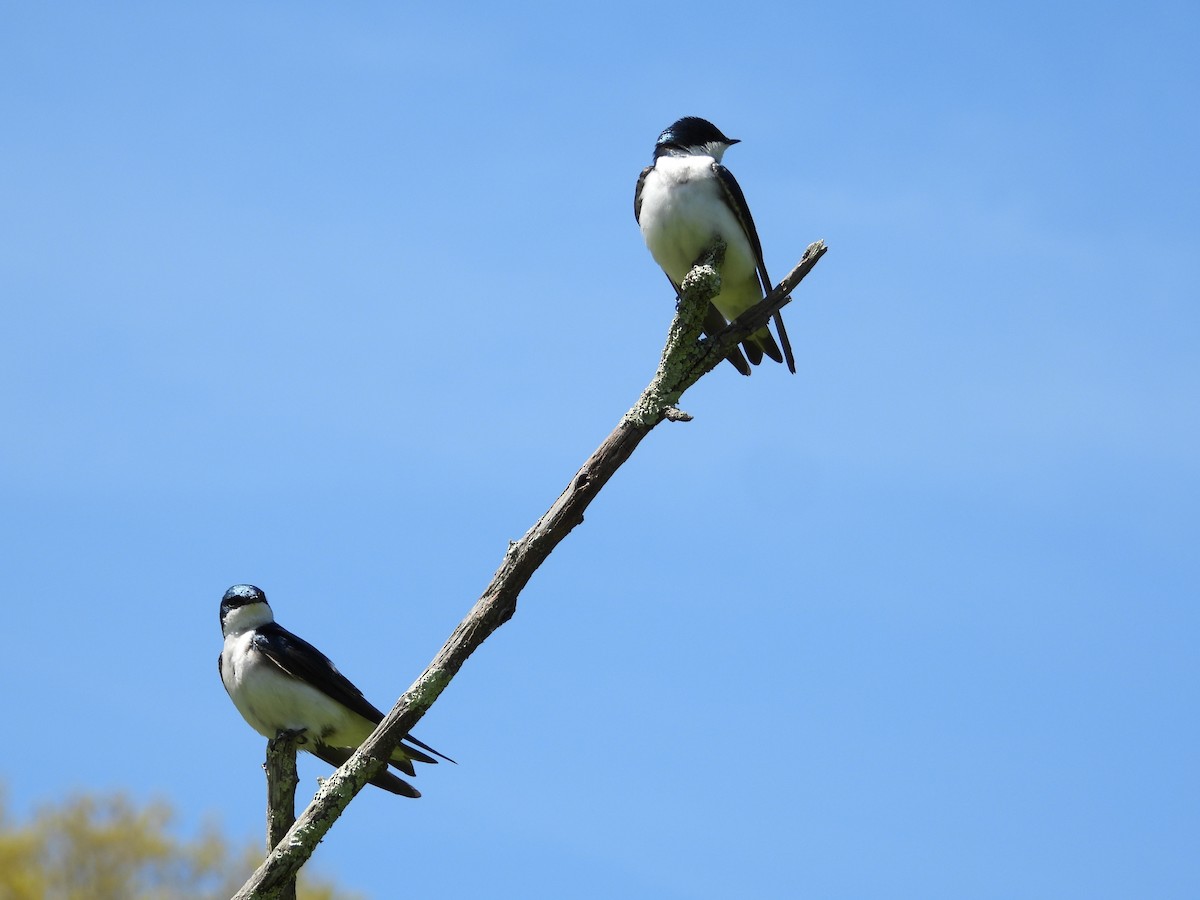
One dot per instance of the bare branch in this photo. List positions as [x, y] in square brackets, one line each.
[685, 359]
[282, 779]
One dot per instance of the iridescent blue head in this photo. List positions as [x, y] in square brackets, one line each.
[692, 136]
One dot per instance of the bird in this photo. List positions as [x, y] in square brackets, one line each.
[684, 200]
[282, 683]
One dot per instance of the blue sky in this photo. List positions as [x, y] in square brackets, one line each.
[335, 301]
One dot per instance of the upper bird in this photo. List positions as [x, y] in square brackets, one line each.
[684, 200]
[280, 682]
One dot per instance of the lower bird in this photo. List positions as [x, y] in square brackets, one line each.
[282, 683]
[684, 200]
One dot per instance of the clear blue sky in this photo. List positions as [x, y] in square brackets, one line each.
[335, 301]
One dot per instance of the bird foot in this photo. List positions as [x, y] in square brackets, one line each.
[291, 735]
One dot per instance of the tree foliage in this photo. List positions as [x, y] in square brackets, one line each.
[107, 847]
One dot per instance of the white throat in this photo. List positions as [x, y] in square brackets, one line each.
[246, 618]
[715, 149]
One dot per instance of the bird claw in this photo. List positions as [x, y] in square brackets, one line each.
[290, 735]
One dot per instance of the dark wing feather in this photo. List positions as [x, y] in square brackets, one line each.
[304, 662]
[787, 343]
[737, 202]
[421, 757]
[637, 195]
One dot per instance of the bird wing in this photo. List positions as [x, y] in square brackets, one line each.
[737, 202]
[304, 662]
[301, 660]
[637, 195]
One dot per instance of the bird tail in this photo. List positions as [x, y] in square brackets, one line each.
[337, 756]
[762, 342]
[756, 346]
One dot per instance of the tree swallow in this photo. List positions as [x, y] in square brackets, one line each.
[280, 682]
[684, 199]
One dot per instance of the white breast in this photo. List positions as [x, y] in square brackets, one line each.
[683, 209]
[272, 701]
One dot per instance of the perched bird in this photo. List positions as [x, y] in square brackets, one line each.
[280, 682]
[684, 199]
